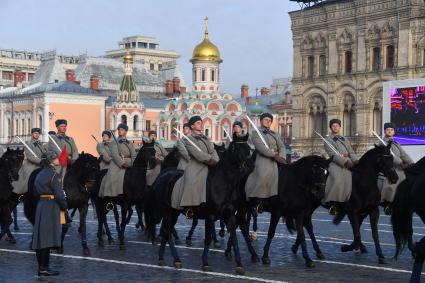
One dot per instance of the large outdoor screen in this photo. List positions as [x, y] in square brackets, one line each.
[407, 111]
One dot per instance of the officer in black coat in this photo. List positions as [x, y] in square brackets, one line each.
[48, 219]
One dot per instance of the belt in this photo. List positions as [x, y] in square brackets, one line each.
[47, 197]
[127, 156]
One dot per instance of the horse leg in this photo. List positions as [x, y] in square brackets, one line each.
[355, 225]
[209, 225]
[122, 226]
[176, 237]
[64, 231]
[231, 224]
[274, 220]
[140, 223]
[192, 229]
[168, 223]
[309, 227]
[222, 226]
[245, 233]
[415, 277]
[300, 234]
[214, 237]
[129, 215]
[15, 219]
[374, 218]
[83, 210]
[117, 219]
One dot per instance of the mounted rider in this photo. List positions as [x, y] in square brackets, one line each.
[195, 175]
[339, 182]
[160, 154]
[104, 151]
[262, 183]
[123, 155]
[401, 161]
[31, 163]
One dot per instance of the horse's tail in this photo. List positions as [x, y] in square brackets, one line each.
[290, 224]
[401, 218]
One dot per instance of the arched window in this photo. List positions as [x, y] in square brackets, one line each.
[377, 117]
[348, 62]
[322, 65]
[207, 132]
[310, 66]
[349, 118]
[9, 127]
[212, 75]
[376, 58]
[40, 121]
[124, 119]
[203, 75]
[317, 115]
[194, 75]
[136, 123]
[390, 57]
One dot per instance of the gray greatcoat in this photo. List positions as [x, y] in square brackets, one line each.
[105, 153]
[263, 181]
[30, 163]
[195, 175]
[339, 182]
[152, 174]
[62, 140]
[47, 227]
[400, 156]
[122, 153]
[183, 154]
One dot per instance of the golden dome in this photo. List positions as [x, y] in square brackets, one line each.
[206, 50]
[128, 58]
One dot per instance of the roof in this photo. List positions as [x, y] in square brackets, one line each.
[127, 84]
[147, 102]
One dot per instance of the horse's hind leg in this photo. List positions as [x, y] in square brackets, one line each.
[274, 220]
[140, 223]
[300, 234]
[245, 233]
[15, 219]
[231, 224]
[176, 236]
[116, 218]
[83, 228]
[209, 225]
[309, 227]
[214, 237]
[129, 215]
[192, 229]
[122, 226]
[355, 225]
[222, 226]
[374, 218]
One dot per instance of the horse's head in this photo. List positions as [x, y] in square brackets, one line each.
[146, 157]
[11, 160]
[385, 162]
[238, 155]
[87, 168]
[319, 174]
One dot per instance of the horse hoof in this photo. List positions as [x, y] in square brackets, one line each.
[254, 236]
[161, 262]
[228, 255]
[346, 248]
[178, 264]
[310, 264]
[294, 249]
[217, 244]
[206, 268]
[123, 247]
[178, 242]
[137, 225]
[221, 233]
[266, 261]
[382, 260]
[12, 240]
[239, 270]
[363, 250]
[255, 258]
[320, 255]
[188, 242]
[110, 241]
[86, 252]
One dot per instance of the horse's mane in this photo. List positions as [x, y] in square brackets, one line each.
[371, 153]
[417, 168]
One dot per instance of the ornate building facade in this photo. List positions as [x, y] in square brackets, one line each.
[343, 52]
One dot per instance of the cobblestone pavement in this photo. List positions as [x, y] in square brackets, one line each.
[138, 263]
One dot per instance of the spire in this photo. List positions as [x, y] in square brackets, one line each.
[206, 27]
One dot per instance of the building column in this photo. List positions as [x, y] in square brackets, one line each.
[34, 114]
[45, 127]
[2, 124]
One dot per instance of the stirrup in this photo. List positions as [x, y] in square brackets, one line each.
[332, 210]
[21, 198]
[189, 213]
[110, 206]
[388, 210]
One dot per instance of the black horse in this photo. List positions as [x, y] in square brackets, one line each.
[221, 201]
[410, 198]
[78, 183]
[10, 163]
[366, 197]
[135, 191]
[300, 185]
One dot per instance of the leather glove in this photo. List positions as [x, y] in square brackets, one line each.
[349, 164]
[211, 162]
[124, 166]
[279, 159]
[404, 166]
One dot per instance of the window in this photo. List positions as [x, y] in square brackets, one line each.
[124, 119]
[348, 62]
[376, 58]
[133, 44]
[136, 123]
[152, 66]
[30, 76]
[40, 121]
[7, 75]
[159, 67]
[148, 125]
[423, 58]
[377, 118]
[310, 66]
[322, 65]
[152, 46]
[212, 75]
[194, 75]
[390, 57]
[203, 75]
[207, 132]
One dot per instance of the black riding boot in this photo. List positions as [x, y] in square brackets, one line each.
[43, 269]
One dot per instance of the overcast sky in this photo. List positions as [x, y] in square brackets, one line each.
[254, 36]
